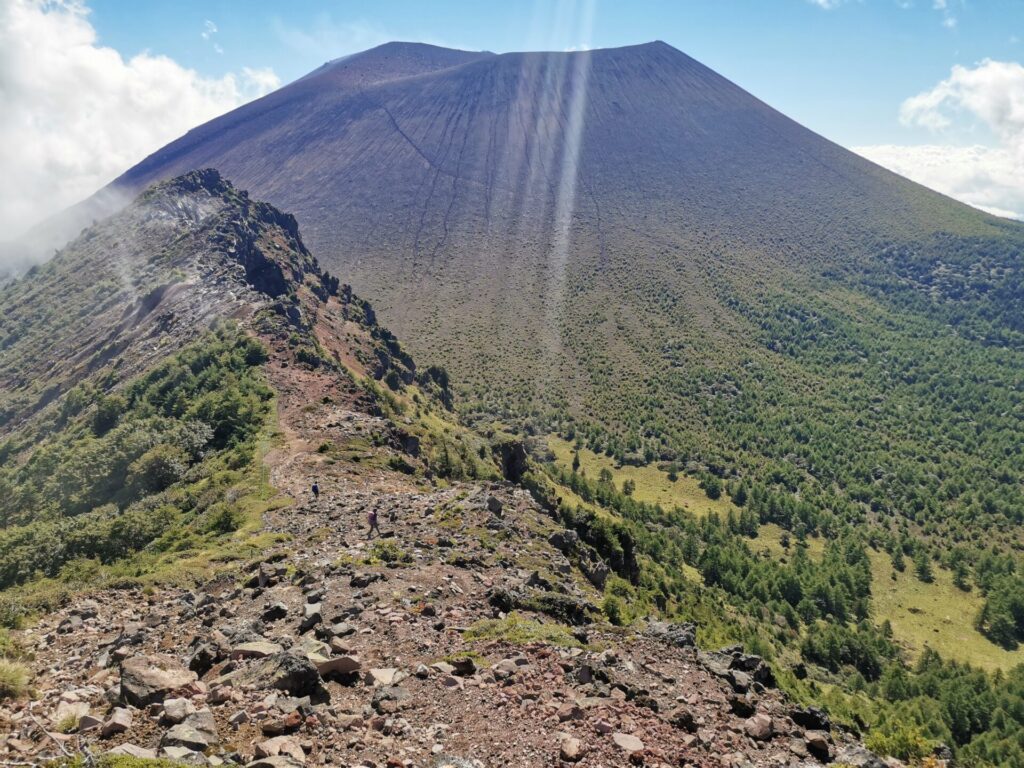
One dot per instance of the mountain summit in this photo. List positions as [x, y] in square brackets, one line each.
[623, 242]
[417, 151]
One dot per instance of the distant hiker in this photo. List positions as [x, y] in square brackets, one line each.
[371, 518]
[316, 490]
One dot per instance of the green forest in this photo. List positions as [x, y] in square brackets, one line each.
[145, 464]
[802, 612]
[885, 395]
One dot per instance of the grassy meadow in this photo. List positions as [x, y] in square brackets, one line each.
[653, 486]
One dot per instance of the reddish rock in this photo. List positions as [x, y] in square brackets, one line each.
[759, 727]
[571, 749]
[628, 742]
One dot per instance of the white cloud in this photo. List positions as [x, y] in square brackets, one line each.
[75, 114]
[987, 96]
[990, 93]
[260, 80]
[209, 30]
[948, 18]
[943, 7]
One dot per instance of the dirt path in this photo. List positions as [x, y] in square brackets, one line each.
[441, 678]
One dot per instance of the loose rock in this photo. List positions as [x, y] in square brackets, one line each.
[628, 742]
[571, 749]
[120, 720]
[149, 679]
[285, 671]
[759, 727]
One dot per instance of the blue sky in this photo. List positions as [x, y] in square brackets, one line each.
[933, 89]
[842, 71]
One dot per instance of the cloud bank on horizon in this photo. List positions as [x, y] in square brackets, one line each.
[988, 97]
[75, 114]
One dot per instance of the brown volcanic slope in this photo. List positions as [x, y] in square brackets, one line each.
[560, 225]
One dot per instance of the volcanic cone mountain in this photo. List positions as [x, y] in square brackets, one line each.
[625, 245]
[710, 369]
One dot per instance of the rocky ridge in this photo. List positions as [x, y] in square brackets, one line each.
[465, 634]
[316, 656]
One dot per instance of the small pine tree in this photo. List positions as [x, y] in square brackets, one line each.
[712, 486]
[960, 576]
[898, 563]
[923, 567]
[740, 495]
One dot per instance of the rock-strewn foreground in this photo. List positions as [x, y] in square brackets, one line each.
[332, 649]
[311, 656]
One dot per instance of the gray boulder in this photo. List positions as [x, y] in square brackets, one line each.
[759, 727]
[285, 671]
[857, 756]
[679, 634]
[149, 679]
[197, 733]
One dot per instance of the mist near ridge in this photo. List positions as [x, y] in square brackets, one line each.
[74, 113]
